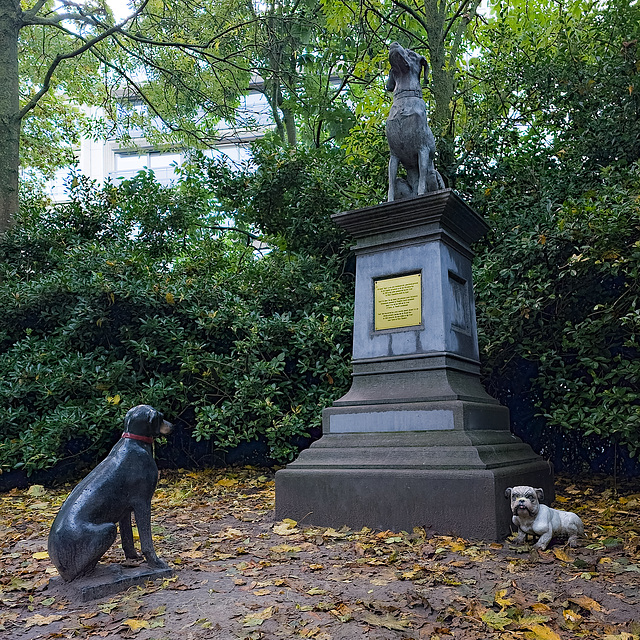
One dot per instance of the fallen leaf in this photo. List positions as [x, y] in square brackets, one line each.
[332, 533]
[19, 584]
[135, 624]
[586, 603]
[7, 617]
[314, 632]
[285, 548]
[496, 621]
[527, 621]
[546, 596]
[540, 607]
[204, 623]
[542, 632]
[40, 620]
[342, 612]
[500, 599]
[387, 621]
[458, 545]
[40, 555]
[286, 528]
[562, 555]
[545, 557]
[108, 607]
[227, 482]
[256, 619]
[572, 618]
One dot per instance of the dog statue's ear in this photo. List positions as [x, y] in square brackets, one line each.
[507, 493]
[540, 494]
[152, 416]
[391, 82]
[425, 67]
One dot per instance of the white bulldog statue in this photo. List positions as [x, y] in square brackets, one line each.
[530, 516]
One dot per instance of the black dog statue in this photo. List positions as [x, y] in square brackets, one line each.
[411, 141]
[123, 483]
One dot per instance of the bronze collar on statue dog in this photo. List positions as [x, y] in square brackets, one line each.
[408, 93]
[133, 436]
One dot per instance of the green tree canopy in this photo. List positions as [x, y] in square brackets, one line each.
[552, 153]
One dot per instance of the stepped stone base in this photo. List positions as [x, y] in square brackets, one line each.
[451, 482]
[416, 441]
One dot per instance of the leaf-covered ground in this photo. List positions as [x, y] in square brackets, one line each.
[240, 574]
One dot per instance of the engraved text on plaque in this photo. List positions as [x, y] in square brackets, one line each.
[398, 302]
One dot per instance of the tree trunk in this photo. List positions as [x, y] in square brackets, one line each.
[442, 81]
[10, 23]
[442, 87]
[290, 126]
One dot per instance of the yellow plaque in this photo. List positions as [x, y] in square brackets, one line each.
[398, 302]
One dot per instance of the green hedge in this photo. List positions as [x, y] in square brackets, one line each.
[126, 296]
[134, 294]
[558, 296]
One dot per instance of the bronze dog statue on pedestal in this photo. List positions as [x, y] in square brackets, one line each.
[411, 141]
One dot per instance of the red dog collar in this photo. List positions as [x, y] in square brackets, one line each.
[133, 436]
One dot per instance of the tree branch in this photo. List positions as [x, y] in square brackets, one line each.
[46, 83]
[178, 81]
[216, 227]
[412, 12]
[89, 44]
[28, 19]
[140, 92]
[461, 7]
[186, 45]
[387, 20]
[36, 7]
[462, 25]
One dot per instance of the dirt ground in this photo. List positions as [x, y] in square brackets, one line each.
[240, 574]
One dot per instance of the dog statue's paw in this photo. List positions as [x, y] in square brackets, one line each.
[541, 545]
[157, 563]
[521, 538]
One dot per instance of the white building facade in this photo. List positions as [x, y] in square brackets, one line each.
[101, 160]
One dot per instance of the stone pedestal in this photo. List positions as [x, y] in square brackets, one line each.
[416, 441]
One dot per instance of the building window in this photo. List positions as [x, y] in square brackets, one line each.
[163, 165]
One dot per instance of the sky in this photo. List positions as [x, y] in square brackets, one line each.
[120, 8]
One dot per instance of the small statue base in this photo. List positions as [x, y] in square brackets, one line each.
[105, 580]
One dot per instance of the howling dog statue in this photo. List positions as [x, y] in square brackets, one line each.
[411, 141]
